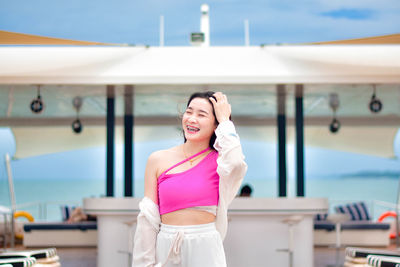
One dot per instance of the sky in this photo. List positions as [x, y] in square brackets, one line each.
[137, 22]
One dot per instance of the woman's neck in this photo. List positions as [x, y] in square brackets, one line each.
[191, 148]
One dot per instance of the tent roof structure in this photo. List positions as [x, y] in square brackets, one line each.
[328, 64]
[162, 78]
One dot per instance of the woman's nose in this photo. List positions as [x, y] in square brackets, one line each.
[192, 119]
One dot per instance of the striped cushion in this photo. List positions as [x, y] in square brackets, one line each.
[26, 262]
[381, 261]
[36, 253]
[320, 217]
[355, 252]
[357, 211]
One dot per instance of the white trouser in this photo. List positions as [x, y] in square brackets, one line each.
[190, 246]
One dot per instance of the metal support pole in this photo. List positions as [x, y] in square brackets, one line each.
[12, 198]
[281, 101]
[5, 231]
[110, 140]
[246, 33]
[397, 228]
[300, 140]
[161, 30]
[128, 125]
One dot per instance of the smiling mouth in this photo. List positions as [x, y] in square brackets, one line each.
[192, 129]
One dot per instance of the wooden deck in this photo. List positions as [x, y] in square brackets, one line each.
[86, 257]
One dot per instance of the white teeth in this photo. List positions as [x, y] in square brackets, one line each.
[192, 129]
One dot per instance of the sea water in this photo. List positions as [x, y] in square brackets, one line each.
[43, 198]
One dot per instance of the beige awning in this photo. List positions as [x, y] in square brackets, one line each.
[373, 141]
[35, 141]
[383, 39]
[14, 38]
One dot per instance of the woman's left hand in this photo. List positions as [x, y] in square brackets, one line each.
[222, 107]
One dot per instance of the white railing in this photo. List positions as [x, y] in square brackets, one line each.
[40, 209]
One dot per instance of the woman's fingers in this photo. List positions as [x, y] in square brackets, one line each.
[220, 97]
[221, 106]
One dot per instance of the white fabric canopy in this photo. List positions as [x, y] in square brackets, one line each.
[329, 64]
[202, 66]
[34, 141]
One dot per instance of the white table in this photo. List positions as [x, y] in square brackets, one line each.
[116, 223]
[255, 230]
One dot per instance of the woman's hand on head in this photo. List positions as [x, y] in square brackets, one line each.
[222, 107]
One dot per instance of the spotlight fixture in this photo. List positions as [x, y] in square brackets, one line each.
[37, 105]
[334, 105]
[334, 126]
[375, 104]
[77, 126]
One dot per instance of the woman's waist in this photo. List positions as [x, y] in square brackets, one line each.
[188, 216]
[188, 229]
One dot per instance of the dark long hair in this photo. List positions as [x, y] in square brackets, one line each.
[205, 95]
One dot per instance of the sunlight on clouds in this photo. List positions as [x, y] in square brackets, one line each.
[355, 14]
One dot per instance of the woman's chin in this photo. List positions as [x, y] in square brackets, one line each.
[193, 137]
[190, 137]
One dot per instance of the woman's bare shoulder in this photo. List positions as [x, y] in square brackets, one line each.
[160, 160]
[164, 155]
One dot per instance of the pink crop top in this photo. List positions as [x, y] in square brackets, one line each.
[197, 186]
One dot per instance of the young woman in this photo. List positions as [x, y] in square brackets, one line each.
[183, 216]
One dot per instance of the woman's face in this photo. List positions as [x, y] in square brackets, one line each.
[198, 121]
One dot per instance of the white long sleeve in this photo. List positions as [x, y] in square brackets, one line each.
[147, 228]
[231, 170]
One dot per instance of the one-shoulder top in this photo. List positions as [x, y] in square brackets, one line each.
[193, 188]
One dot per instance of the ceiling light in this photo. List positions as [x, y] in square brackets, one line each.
[334, 105]
[77, 126]
[334, 126]
[37, 105]
[375, 104]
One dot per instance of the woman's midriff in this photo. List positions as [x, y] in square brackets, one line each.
[187, 217]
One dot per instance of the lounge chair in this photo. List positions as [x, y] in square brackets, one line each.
[382, 261]
[43, 257]
[359, 231]
[68, 233]
[60, 234]
[359, 257]
[16, 262]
